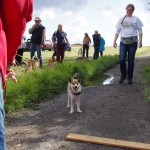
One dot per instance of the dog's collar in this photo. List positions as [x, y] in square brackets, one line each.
[76, 93]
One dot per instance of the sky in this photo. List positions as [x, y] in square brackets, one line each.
[86, 16]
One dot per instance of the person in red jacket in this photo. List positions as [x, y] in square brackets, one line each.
[14, 14]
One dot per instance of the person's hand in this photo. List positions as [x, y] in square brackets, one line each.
[10, 74]
[41, 46]
[114, 44]
[140, 44]
[36, 24]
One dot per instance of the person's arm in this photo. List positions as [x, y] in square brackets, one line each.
[140, 39]
[118, 30]
[15, 23]
[83, 41]
[66, 40]
[43, 36]
[139, 28]
[54, 40]
[89, 40]
[115, 40]
[32, 29]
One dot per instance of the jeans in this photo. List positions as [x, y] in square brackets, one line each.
[36, 47]
[96, 52]
[86, 47]
[2, 116]
[130, 50]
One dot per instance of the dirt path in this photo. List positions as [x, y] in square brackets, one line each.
[113, 111]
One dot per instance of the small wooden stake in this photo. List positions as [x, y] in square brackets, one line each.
[108, 142]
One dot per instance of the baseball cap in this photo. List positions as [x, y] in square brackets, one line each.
[37, 18]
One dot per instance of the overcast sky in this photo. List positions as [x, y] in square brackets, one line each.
[80, 16]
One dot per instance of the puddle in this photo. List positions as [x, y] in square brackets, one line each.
[102, 80]
[109, 80]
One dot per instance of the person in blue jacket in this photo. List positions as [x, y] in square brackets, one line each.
[102, 46]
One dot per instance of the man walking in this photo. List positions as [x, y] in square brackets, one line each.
[37, 39]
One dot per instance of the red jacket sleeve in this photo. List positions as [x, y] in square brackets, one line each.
[16, 13]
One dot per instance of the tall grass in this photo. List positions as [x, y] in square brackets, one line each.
[43, 84]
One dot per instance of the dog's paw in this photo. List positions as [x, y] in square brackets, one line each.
[68, 106]
[79, 111]
[71, 112]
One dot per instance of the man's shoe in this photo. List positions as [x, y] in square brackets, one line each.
[130, 82]
[122, 78]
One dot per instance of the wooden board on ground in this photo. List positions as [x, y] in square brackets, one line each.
[108, 142]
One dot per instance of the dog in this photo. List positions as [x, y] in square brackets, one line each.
[32, 64]
[80, 57]
[52, 62]
[74, 92]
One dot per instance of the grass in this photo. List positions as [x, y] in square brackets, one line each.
[146, 74]
[42, 85]
[70, 56]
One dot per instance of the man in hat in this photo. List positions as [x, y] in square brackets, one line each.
[96, 41]
[37, 39]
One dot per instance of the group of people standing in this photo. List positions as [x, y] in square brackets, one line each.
[129, 27]
[98, 42]
[59, 39]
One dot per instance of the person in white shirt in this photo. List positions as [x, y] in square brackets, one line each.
[129, 28]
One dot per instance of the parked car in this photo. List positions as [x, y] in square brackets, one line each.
[47, 45]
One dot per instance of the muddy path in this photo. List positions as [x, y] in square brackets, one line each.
[113, 111]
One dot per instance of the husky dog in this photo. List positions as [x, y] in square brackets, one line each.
[74, 92]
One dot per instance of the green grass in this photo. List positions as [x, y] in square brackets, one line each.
[43, 84]
[70, 56]
[146, 74]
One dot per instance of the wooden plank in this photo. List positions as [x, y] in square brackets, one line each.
[108, 142]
